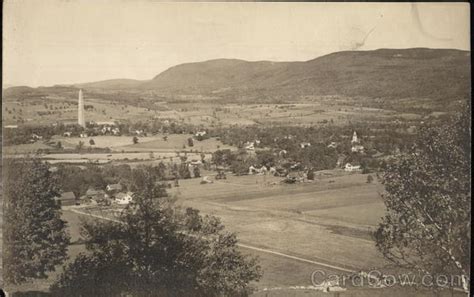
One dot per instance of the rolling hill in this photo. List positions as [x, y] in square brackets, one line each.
[383, 73]
[111, 84]
[425, 73]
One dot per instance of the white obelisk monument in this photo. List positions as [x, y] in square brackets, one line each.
[80, 115]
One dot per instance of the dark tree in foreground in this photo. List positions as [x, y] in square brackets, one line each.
[34, 236]
[428, 195]
[135, 140]
[157, 250]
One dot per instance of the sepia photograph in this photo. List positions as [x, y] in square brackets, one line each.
[232, 149]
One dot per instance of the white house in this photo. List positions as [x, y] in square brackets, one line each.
[116, 131]
[349, 167]
[260, 171]
[67, 134]
[249, 146]
[114, 187]
[200, 133]
[305, 144]
[36, 137]
[124, 198]
[332, 145]
[357, 148]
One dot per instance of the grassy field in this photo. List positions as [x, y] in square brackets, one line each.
[324, 221]
[151, 150]
[155, 143]
[302, 111]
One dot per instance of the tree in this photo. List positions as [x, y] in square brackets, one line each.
[80, 145]
[34, 238]
[157, 249]
[190, 142]
[183, 171]
[59, 145]
[428, 194]
[135, 140]
[370, 179]
[91, 142]
[196, 171]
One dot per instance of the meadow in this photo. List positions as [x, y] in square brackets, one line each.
[328, 220]
[301, 111]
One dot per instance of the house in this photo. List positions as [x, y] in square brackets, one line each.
[296, 166]
[350, 168]
[11, 126]
[115, 131]
[83, 135]
[95, 194]
[195, 162]
[357, 148]
[249, 146]
[67, 199]
[200, 133]
[124, 198]
[332, 145]
[95, 197]
[67, 134]
[104, 130]
[305, 145]
[53, 169]
[36, 137]
[260, 171]
[114, 188]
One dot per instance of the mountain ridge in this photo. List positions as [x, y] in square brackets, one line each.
[391, 73]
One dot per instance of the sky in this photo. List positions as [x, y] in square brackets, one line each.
[48, 42]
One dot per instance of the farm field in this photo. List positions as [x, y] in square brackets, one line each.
[325, 221]
[151, 150]
[27, 148]
[338, 110]
[153, 143]
[144, 158]
[56, 108]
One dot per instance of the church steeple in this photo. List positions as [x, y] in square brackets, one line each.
[354, 138]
